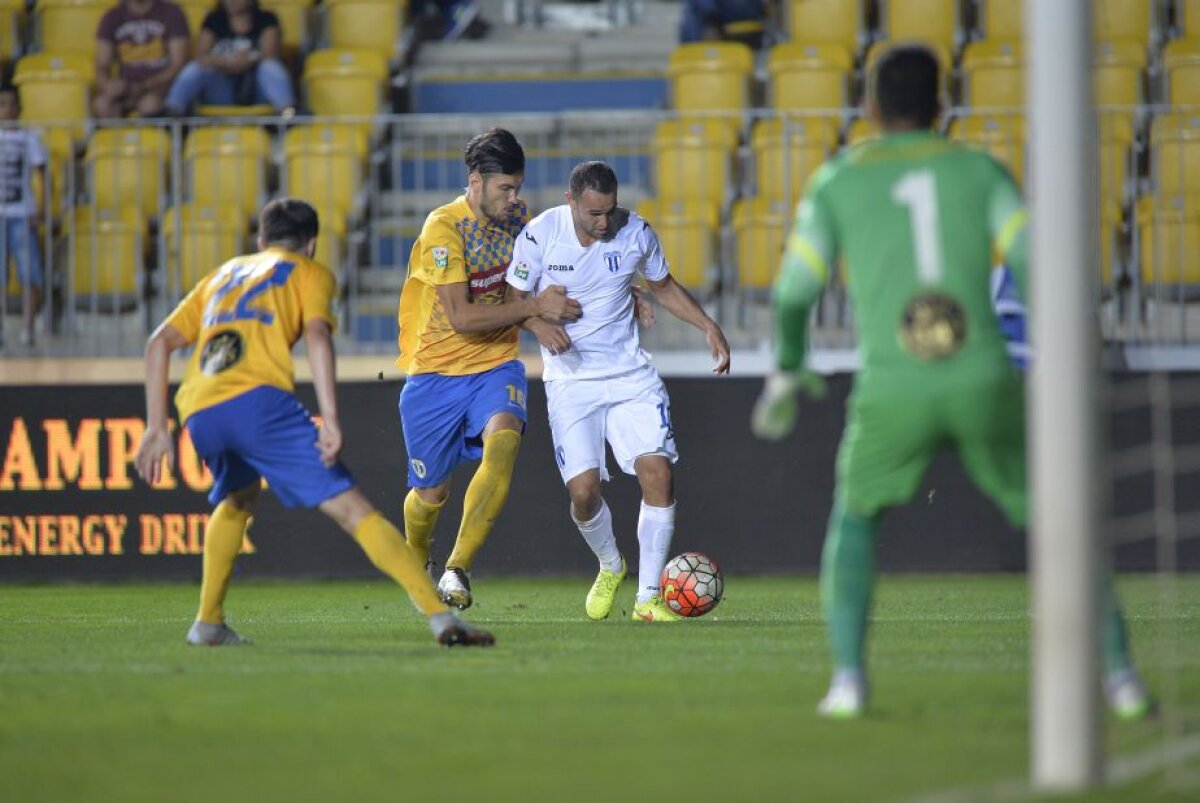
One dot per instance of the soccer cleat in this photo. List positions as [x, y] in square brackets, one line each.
[846, 698]
[450, 631]
[1126, 695]
[603, 593]
[455, 588]
[202, 634]
[654, 610]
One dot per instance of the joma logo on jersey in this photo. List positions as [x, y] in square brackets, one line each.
[563, 268]
[613, 260]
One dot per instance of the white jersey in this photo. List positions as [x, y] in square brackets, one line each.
[21, 151]
[605, 340]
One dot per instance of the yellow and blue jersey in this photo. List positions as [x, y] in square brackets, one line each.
[456, 247]
[244, 318]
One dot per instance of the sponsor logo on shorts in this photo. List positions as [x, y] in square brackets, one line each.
[221, 352]
[441, 256]
[418, 468]
[613, 260]
[521, 271]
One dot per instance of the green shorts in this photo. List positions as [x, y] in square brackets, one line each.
[890, 440]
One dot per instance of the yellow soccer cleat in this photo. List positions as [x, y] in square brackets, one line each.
[654, 610]
[603, 593]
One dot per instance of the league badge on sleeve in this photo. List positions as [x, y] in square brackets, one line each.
[441, 256]
[521, 271]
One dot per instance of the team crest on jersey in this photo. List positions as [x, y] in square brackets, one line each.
[221, 352]
[613, 260]
[521, 271]
[441, 256]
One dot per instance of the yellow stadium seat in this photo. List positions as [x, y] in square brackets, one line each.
[1169, 244]
[835, 22]
[324, 166]
[1187, 17]
[226, 166]
[788, 151]
[196, 240]
[128, 166]
[294, 26]
[994, 75]
[331, 242]
[1002, 19]
[809, 76]
[711, 76]
[861, 129]
[69, 26]
[195, 11]
[687, 230]
[1001, 136]
[54, 89]
[1117, 73]
[934, 21]
[12, 26]
[344, 82]
[370, 24]
[692, 160]
[60, 154]
[106, 250]
[1181, 63]
[761, 225]
[1175, 154]
[1115, 140]
[1125, 19]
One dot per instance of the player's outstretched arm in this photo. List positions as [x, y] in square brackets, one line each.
[551, 304]
[680, 303]
[552, 337]
[156, 440]
[318, 340]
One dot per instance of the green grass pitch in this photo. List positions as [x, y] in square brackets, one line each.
[345, 697]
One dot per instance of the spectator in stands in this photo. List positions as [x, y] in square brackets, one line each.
[738, 20]
[237, 62]
[21, 153]
[147, 43]
[448, 19]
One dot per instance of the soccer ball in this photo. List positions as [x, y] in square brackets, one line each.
[692, 584]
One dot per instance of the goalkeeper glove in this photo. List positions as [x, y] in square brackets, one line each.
[774, 415]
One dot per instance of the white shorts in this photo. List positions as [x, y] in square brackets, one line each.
[631, 411]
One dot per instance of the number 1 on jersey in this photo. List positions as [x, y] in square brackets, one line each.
[917, 192]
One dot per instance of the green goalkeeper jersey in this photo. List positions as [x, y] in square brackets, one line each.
[915, 222]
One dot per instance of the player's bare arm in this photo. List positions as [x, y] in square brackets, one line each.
[156, 440]
[318, 340]
[643, 310]
[551, 304]
[680, 303]
[552, 337]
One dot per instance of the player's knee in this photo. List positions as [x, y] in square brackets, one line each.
[435, 495]
[244, 499]
[654, 475]
[585, 503]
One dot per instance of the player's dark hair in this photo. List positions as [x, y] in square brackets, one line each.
[905, 86]
[595, 176]
[495, 151]
[288, 222]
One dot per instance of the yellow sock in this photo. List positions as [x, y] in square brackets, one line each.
[419, 520]
[485, 496]
[385, 546]
[222, 542]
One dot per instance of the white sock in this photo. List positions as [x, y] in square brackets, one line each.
[656, 525]
[599, 536]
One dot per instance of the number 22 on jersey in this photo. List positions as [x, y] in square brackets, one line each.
[219, 311]
[917, 192]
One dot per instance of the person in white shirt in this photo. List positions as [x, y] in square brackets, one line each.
[21, 155]
[600, 383]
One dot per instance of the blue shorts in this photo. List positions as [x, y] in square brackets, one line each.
[443, 417]
[265, 432]
[19, 239]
